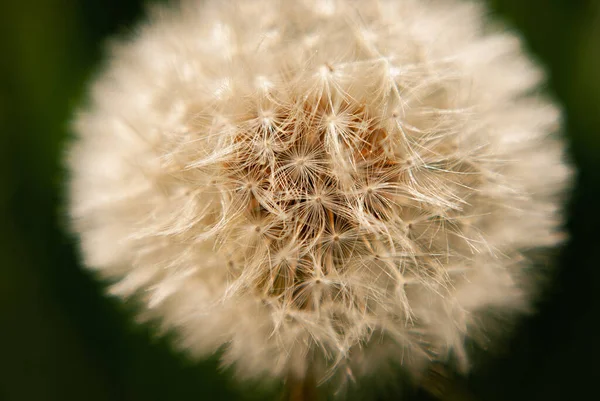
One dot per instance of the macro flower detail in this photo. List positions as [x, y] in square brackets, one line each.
[318, 187]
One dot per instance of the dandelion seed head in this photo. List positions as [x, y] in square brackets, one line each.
[324, 185]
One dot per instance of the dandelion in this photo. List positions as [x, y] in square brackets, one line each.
[318, 188]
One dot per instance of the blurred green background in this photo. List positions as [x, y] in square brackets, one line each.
[62, 339]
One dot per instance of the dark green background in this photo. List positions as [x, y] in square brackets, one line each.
[61, 339]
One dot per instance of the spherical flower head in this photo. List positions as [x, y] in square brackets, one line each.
[318, 187]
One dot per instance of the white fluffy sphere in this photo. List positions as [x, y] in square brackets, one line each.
[318, 186]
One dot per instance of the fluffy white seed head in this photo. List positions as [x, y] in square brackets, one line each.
[320, 184]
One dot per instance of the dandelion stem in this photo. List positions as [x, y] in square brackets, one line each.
[301, 389]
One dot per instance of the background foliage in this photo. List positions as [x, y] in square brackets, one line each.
[62, 339]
